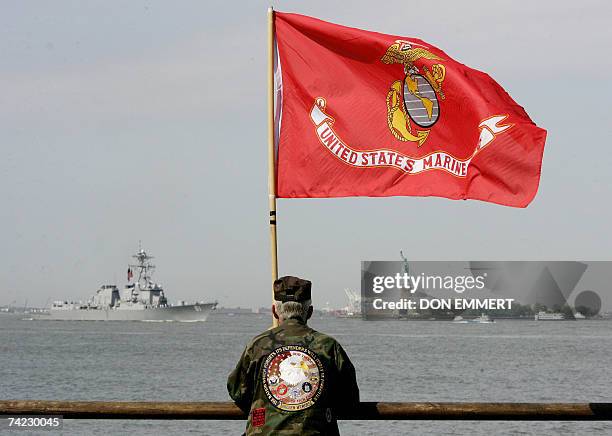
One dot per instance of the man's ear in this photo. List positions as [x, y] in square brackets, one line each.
[274, 311]
[310, 310]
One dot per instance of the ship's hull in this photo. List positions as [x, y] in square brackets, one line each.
[187, 313]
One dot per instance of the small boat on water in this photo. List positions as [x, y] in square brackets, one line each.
[482, 319]
[545, 316]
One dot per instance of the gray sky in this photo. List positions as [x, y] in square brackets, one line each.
[145, 120]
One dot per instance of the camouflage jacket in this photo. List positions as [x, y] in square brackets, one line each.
[293, 380]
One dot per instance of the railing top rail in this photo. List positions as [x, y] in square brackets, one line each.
[365, 410]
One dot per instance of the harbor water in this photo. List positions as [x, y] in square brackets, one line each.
[507, 361]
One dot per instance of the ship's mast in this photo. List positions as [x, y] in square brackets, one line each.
[145, 269]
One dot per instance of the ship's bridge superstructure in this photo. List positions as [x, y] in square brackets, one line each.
[106, 296]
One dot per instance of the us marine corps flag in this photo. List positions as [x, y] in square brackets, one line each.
[361, 113]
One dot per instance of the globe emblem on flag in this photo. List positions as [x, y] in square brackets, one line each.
[414, 100]
[421, 101]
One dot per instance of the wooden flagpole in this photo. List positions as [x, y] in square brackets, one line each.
[271, 155]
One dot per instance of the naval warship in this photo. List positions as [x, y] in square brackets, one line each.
[142, 300]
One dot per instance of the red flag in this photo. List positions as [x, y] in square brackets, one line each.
[130, 274]
[366, 114]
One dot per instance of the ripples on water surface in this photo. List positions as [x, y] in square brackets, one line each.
[396, 361]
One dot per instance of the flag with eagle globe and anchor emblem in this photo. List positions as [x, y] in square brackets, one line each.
[361, 113]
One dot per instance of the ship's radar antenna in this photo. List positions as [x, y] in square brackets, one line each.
[145, 268]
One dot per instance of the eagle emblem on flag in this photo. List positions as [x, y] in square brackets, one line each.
[414, 101]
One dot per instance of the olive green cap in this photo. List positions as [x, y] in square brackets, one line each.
[291, 288]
